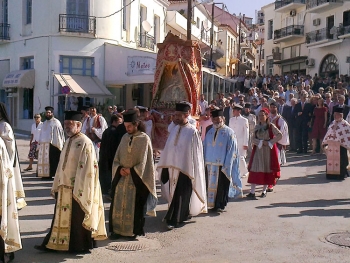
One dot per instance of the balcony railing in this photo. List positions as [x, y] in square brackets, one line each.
[4, 31]
[282, 3]
[289, 31]
[146, 41]
[77, 24]
[319, 35]
[313, 3]
[344, 30]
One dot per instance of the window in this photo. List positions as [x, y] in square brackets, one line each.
[270, 29]
[124, 14]
[77, 65]
[198, 22]
[346, 18]
[28, 94]
[5, 10]
[28, 63]
[28, 11]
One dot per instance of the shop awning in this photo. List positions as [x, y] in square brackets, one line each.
[19, 79]
[82, 86]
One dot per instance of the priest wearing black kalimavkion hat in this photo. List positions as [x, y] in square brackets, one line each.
[181, 170]
[79, 215]
[221, 162]
[133, 188]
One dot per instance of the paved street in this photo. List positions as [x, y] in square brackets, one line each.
[289, 225]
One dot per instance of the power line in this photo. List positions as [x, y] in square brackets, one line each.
[116, 12]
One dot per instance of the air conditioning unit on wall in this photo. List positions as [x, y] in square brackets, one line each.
[310, 62]
[316, 22]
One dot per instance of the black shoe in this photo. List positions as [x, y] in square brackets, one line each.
[251, 195]
[42, 248]
[170, 227]
[263, 195]
[114, 236]
[299, 152]
[269, 190]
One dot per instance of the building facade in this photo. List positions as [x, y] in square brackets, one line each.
[307, 37]
[96, 49]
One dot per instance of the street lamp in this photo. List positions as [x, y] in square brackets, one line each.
[211, 64]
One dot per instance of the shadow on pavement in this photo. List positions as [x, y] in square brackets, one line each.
[314, 203]
[318, 178]
[320, 213]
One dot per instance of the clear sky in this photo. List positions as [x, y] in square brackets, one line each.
[247, 7]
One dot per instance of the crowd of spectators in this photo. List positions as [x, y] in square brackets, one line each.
[305, 102]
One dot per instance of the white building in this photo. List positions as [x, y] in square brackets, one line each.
[328, 38]
[307, 37]
[86, 45]
[284, 41]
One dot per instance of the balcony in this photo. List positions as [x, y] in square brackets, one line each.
[77, 24]
[284, 6]
[146, 41]
[4, 32]
[288, 33]
[319, 6]
[323, 37]
[344, 31]
[179, 23]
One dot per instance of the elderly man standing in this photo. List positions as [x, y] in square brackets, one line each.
[79, 213]
[221, 162]
[240, 126]
[181, 170]
[95, 127]
[51, 143]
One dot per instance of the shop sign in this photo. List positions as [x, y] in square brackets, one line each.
[138, 65]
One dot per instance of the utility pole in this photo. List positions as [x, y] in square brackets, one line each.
[212, 36]
[261, 43]
[239, 42]
[189, 19]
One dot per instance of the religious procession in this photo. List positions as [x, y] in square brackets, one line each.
[197, 152]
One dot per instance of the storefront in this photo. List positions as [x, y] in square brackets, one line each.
[18, 89]
[129, 75]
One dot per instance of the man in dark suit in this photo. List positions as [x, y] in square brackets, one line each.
[341, 104]
[228, 111]
[302, 113]
[288, 115]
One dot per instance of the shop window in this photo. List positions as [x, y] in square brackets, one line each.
[28, 103]
[27, 94]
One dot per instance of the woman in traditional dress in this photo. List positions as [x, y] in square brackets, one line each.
[34, 141]
[319, 123]
[264, 166]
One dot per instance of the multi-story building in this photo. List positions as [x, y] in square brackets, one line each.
[307, 37]
[68, 53]
[284, 41]
[328, 37]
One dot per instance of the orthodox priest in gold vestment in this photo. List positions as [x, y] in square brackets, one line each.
[133, 184]
[79, 213]
[10, 240]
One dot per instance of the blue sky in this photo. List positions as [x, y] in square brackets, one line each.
[247, 7]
